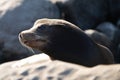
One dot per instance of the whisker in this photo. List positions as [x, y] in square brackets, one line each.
[29, 48]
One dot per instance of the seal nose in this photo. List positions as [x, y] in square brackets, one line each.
[26, 35]
[20, 36]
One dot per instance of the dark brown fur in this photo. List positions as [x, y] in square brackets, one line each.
[64, 41]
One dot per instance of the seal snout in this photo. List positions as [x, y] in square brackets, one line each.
[26, 36]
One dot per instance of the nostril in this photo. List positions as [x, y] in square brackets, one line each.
[20, 35]
[25, 42]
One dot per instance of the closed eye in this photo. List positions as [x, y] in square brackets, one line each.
[42, 27]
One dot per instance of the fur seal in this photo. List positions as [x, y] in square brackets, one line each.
[64, 41]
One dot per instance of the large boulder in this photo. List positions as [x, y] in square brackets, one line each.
[18, 15]
[84, 13]
[88, 13]
[108, 29]
[114, 9]
[40, 67]
[116, 41]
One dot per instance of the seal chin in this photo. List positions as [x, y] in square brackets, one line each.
[35, 43]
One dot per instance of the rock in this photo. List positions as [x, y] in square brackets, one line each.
[118, 23]
[116, 42]
[118, 54]
[55, 1]
[108, 29]
[1, 57]
[114, 9]
[42, 68]
[116, 39]
[18, 15]
[1, 44]
[85, 14]
[1, 49]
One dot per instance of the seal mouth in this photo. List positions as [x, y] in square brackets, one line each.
[36, 40]
[33, 43]
[32, 40]
[28, 42]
